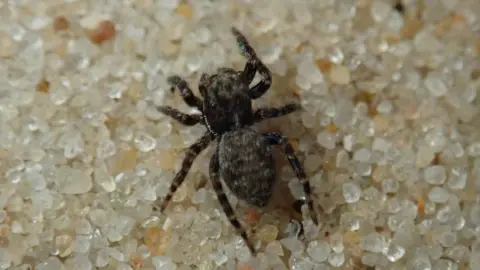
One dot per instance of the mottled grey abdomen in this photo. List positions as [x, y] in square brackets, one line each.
[247, 166]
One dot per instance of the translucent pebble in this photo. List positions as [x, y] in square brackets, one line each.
[380, 11]
[218, 257]
[362, 155]
[370, 259]
[445, 264]
[394, 252]
[81, 244]
[458, 178]
[458, 252]
[371, 194]
[473, 149]
[435, 175]
[144, 142]
[124, 224]
[340, 75]
[336, 259]
[73, 146]
[98, 217]
[448, 239]
[213, 230]
[335, 54]
[79, 262]
[308, 70]
[350, 222]
[348, 142]
[380, 144]
[292, 244]
[5, 259]
[42, 199]
[17, 227]
[199, 196]
[274, 247]
[106, 149]
[420, 262]
[436, 139]
[73, 181]
[438, 195]
[342, 159]
[351, 192]
[336, 242]
[390, 185]
[435, 84]
[3, 216]
[169, 4]
[83, 226]
[457, 150]
[424, 157]
[267, 233]
[475, 260]
[326, 140]
[103, 178]
[116, 254]
[373, 242]
[102, 258]
[475, 214]
[36, 179]
[318, 250]
[163, 263]
[458, 223]
[301, 263]
[293, 229]
[435, 251]
[7, 45]
[52, 263]
[385, 107]
[425, 41]
[296, 189]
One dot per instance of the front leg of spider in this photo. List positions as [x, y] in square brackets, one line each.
[192, 153]
[187, 94]
[266, 113]
[183, 118]
[225, 204]
[277, 139]
[253, 65]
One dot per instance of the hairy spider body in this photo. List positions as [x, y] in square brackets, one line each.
[247, 166]
[226, 104]
[243, 156]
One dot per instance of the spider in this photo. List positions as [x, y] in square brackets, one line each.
[243, 156]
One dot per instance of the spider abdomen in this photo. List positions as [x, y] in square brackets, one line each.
[247, 165]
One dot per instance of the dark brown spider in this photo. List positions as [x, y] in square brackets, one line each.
[243, 156]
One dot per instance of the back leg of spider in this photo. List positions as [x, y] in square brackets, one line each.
[253, 65]
[187, 94]
[183, 118]
[222, 198]
[192, 153]
[275, 138]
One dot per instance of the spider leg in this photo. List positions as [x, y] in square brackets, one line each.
[192, 153]
[265, 113]
[178, 83]
[183, 118]
[275, 138]
[222, 198]
[253, 65]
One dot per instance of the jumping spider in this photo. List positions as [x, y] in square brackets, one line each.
[243, 156]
